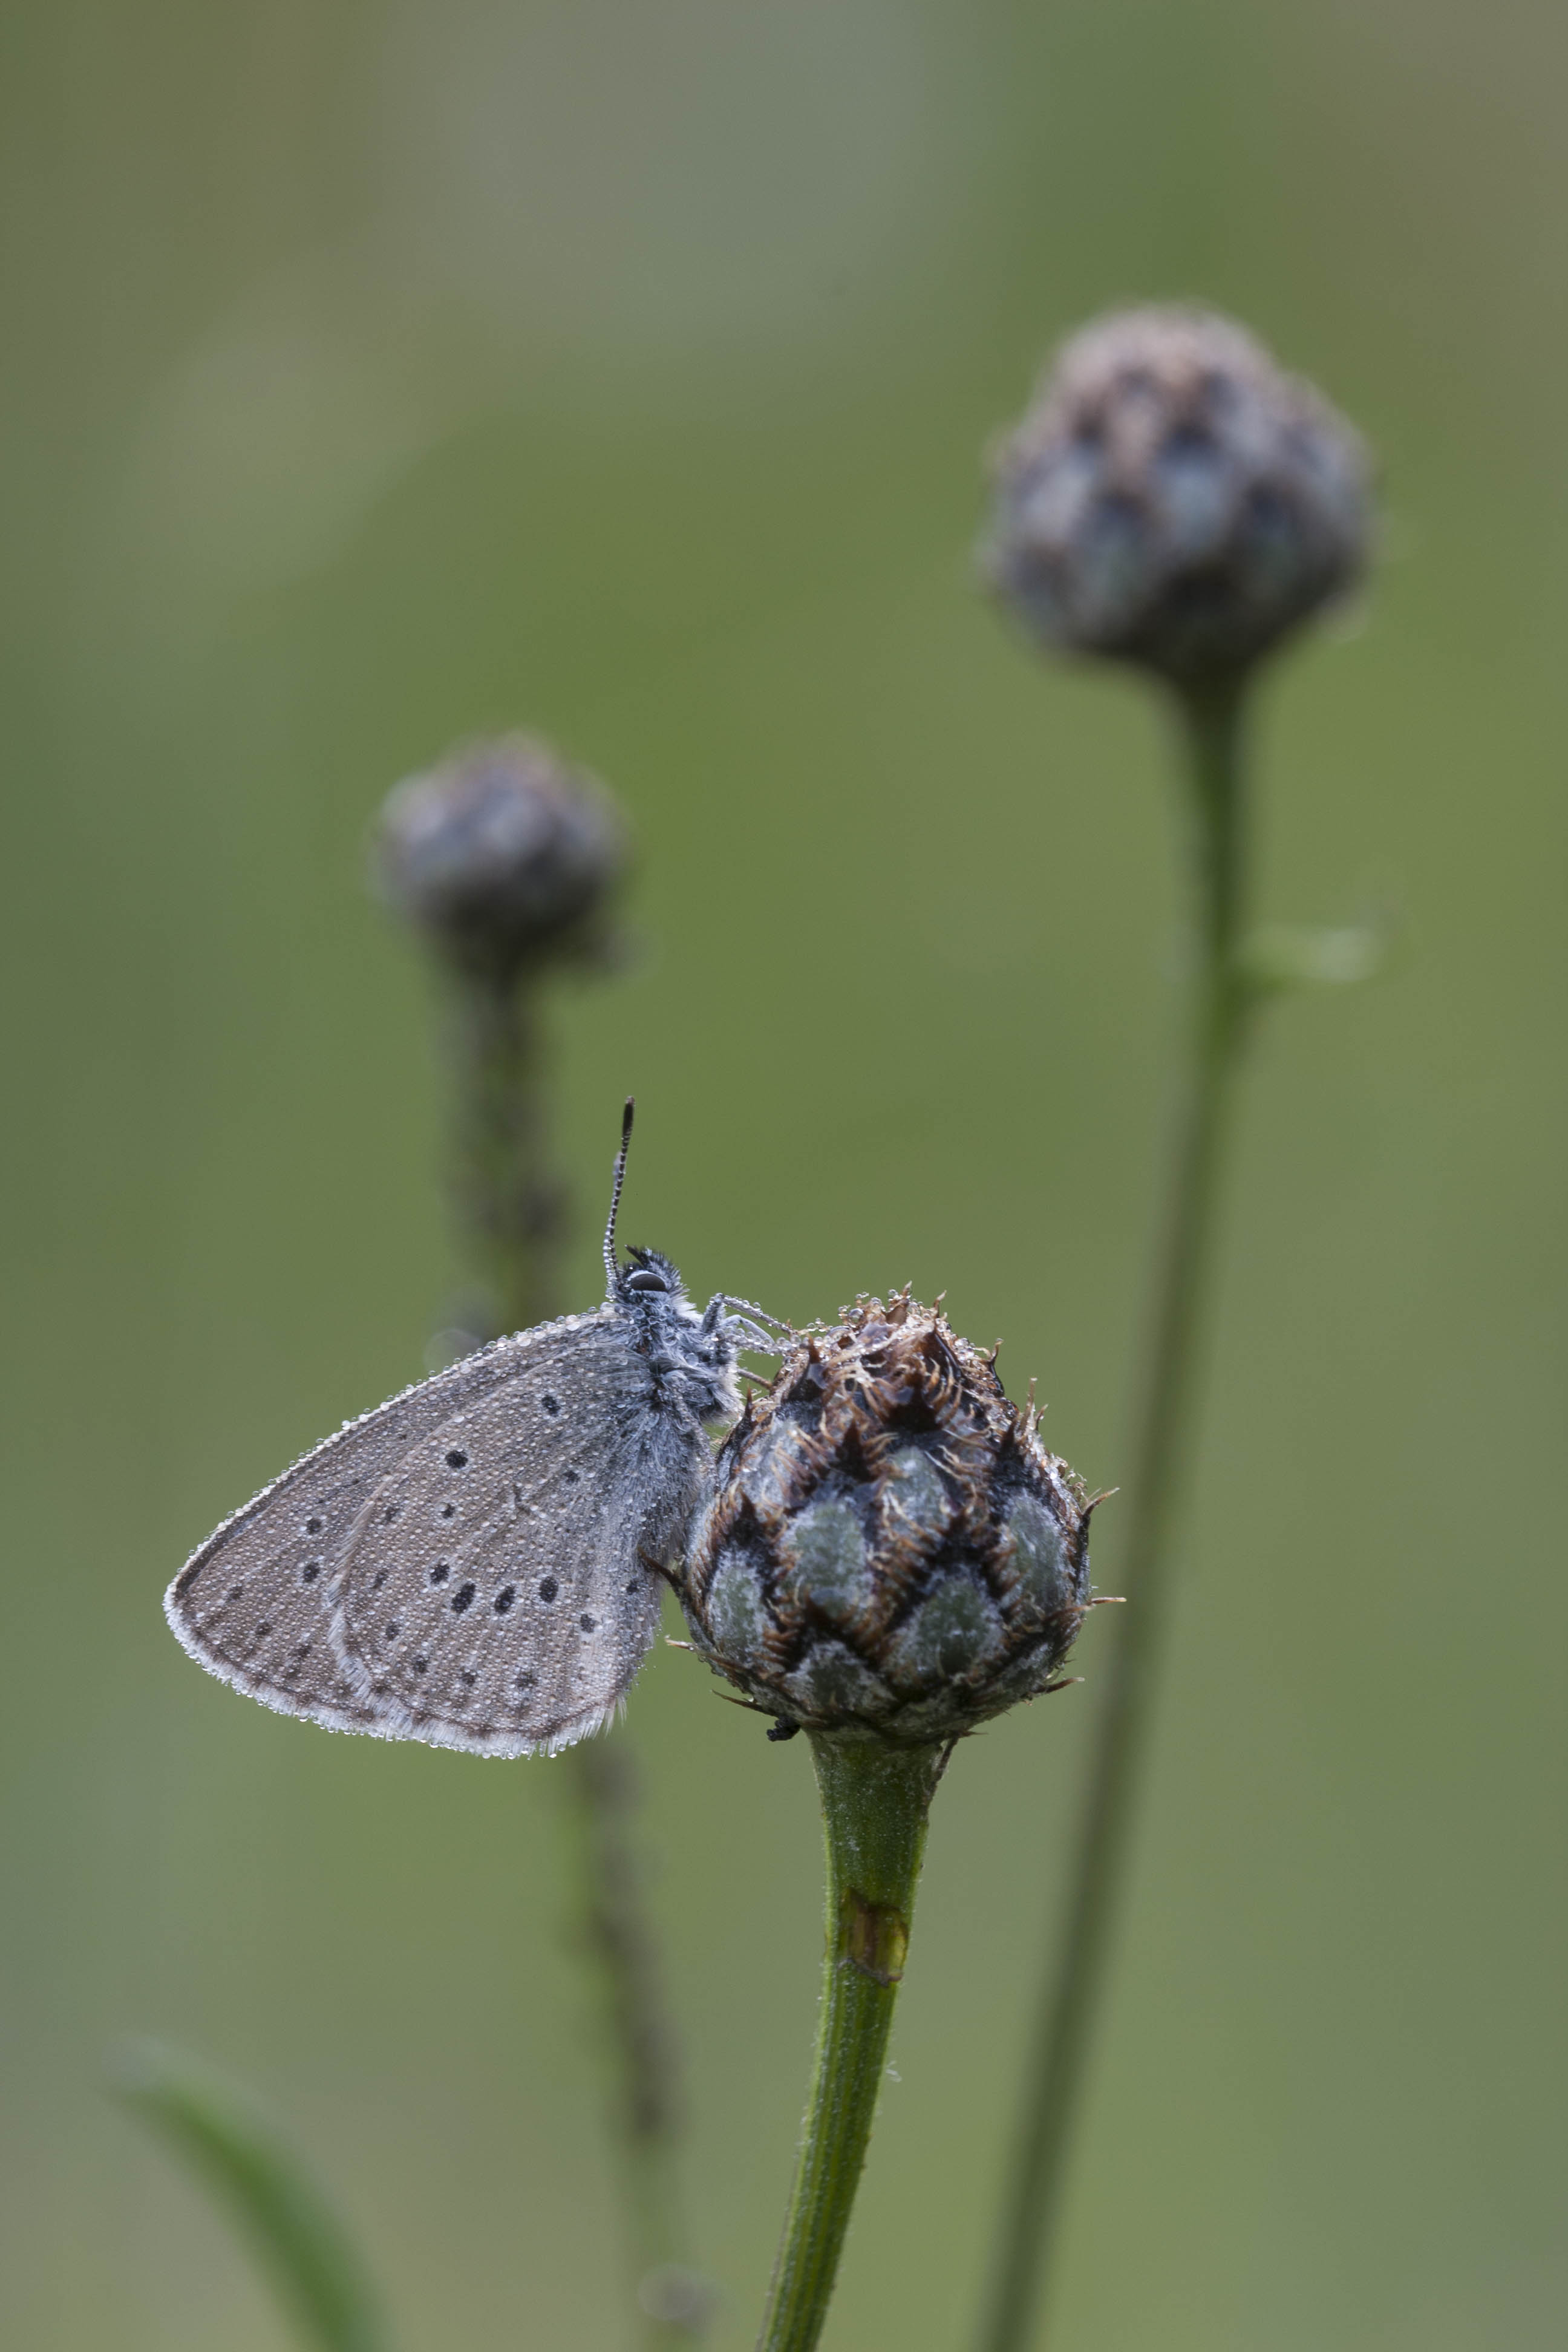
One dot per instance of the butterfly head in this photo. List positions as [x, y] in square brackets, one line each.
[650, 1280]
[700, 1349]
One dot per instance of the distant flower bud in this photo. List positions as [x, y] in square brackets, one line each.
[504, 856]
[1174, 498]
[888, 1551]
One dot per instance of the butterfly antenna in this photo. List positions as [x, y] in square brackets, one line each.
[610, 1268]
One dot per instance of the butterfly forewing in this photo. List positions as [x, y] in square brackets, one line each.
[398, 1580]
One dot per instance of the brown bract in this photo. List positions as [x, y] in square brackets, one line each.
[889, 1552]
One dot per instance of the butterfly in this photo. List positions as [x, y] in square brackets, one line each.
[478, 1563]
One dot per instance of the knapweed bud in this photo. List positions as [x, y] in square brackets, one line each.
[504, 856]
[1174, 498]
[888, 1550]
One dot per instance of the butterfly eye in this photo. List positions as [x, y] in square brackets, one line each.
[646, 1279]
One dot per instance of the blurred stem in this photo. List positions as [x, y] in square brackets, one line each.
[512, 1207]
[604, 1798]
[1212, 729]
[875, 1803]
[510, 1204]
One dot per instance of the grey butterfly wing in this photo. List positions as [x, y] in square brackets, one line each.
[291, 1598]
[500, 1592]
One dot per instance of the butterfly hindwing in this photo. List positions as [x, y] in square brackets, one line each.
[291, 1599]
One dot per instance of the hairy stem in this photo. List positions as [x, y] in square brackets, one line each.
[511, 1209]
[1212, 729]
[875, 1801]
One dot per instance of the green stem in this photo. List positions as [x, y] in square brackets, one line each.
[875, 1802]
[512, 1208]
[1212, 727]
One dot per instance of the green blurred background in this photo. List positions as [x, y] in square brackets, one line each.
[378, 374]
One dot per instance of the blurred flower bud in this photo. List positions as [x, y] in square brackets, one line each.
[1174, 498]
[504, 856]
[888, 1550]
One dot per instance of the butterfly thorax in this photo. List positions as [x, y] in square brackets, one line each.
[691, 1356]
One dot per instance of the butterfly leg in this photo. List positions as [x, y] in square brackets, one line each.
[744, 1329]
[657, 1567]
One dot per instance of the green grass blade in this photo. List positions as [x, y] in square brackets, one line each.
[293, 2229]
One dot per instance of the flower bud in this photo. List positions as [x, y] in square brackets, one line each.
[504, 856]
[1174, 498]
[888, 1550]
